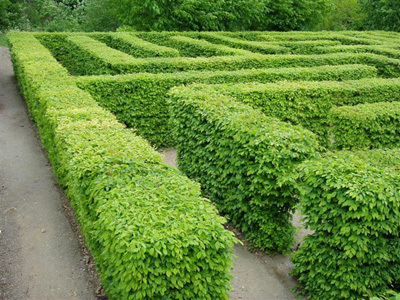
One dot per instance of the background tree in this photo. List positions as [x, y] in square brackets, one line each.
[10, 12]
[382, 14]
[221, 14]
[344, 15]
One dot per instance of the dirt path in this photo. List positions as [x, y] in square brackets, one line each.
[257, 276]
[40, 257]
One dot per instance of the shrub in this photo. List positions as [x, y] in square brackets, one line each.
[82, 55]
[309, 103]
[135, 46]
[243, 160]
[150, 232]
[373, 125]
[140, 100]
[351, 202]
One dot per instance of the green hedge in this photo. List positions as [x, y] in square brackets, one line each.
[150, 232]
[309, 103]
[377, 49]
[351, 202]
[373, 125]
[200, 47]
[272, 47]
[140, 100]
[76, 60]
[243, 160]
[82, 55]
[134, 45]
[309, 36]
[261, 47]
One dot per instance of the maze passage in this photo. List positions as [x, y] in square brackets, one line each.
[264, 121]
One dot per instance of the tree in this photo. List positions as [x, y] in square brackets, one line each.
[344, 15]
[221, 14]
[382, 14]
[9, 14]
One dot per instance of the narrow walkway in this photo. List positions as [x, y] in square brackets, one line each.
[257, 276]
[40, 256]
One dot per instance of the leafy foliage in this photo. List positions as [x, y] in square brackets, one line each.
[351, 202]
[140, 100]
[382, 14]
[150, 232]
[10, 11]
[203, 15]
[309, 103]
[243, 161]
[374, 125]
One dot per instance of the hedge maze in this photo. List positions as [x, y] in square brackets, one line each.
[264, 121]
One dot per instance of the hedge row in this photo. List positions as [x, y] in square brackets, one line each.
[299, 47]
[309, 103]
[261, 47]
[373, 125]
[243, 160]
[201, 47]
[379, 49]
[351, 200]
[82, 55]
[135, 46]
[140, 100]
[150, 232]
[309, 36]
[75, 59]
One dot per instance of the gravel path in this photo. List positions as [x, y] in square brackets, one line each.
[40, 256]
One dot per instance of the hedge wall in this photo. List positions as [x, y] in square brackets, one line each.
[309, 103]
[135, 46]
[150, 232]
[140, 100]
[374, 125]
[82, 55]
[351, 200]
[244, 162]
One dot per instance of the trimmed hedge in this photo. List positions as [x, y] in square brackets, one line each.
[351, 200]
[82, 55]
[381, 50]
[309, 36]
[76, 60]
[309, 103]
[244, 162]
[261, 47]
[150, 232]
[373, 125]
[140, 100]
[135, 46]
[301, 47]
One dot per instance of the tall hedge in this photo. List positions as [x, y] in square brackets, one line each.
[140, 100]
[309, 103]
[372, 125]
[244, 162]
[151, 234]
[351, 202]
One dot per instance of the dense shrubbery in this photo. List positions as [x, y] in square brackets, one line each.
[140, 100]
[351, 200]
[373, 125]
[150, 232]
[244, 162]
[309, 103]
[237, 131]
